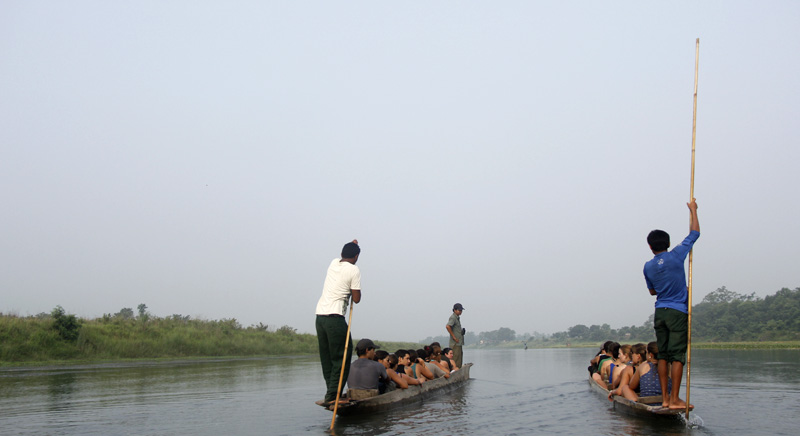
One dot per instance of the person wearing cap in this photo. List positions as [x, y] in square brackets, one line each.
[342, 282]
[365, 373]
[456, 333]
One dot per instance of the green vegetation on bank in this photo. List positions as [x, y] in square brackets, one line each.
[59, 337]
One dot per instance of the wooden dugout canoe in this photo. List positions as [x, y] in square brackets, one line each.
[646, 406]
[402, 397]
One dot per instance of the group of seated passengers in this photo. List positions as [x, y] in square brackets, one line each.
[627, 370]
[376, 371]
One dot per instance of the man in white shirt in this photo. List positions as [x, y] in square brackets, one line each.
[342, 281]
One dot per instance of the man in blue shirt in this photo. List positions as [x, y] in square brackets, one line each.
[666, 279]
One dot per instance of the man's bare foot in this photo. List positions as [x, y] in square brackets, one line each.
[679, 405]
[332, 402]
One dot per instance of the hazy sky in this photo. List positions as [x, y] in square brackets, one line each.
[211, 158]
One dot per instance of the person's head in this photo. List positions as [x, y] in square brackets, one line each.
[402, 357]
[412, 356]
[366, 348]
[613, 349]
[351, 251]
[392, 361]
[381, 355]
[448, 353]
[458, 309]
[638, 353]
[605, 348]
[422, 354]
[652, 350]
[436, 344]
[436, 353]
[658, 240]
[624, 353]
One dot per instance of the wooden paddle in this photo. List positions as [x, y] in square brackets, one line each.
[691, 196]
[344, 360]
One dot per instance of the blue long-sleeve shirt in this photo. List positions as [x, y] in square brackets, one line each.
[666, 275]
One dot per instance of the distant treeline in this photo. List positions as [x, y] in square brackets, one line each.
[58, 336]
[722, 316]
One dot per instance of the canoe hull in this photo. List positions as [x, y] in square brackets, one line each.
[646, 406]
[403, 397]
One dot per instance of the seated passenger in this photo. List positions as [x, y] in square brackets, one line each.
[365, 373]
[436, 357]
[447, 356]
[403, 363]
[396, 381]
[602, 354]
[620, 363]
[435, 369]
[604, 365]
[638, 355]
[417, 368]
[645, 378]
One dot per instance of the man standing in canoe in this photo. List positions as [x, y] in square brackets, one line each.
[456, 333]
[342, 281]
[666, 279]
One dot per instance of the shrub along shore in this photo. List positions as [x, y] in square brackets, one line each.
[61, 338]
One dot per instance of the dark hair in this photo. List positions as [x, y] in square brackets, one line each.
[400, 353]
[412, 355]
[350, 250]
[392, 361]
[436, 344]
[658, 240]
[639, 349]
[607, 344]
[380, 354]
[447, 350]
[422, 354]
[652, 348]
[614, 349]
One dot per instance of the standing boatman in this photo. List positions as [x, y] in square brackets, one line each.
[666, 279]
[342, 281]
[456, 333]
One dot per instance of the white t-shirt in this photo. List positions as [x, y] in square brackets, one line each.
[341, 278]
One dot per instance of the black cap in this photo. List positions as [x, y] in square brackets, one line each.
[363, 345]
[458, 306]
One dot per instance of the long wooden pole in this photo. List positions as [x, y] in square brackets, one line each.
[344, 361]
[691, 196]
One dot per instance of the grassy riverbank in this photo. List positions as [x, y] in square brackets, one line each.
[37, 340]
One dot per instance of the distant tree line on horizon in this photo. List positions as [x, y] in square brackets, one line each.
[722, 316]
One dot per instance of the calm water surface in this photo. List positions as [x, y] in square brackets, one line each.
[512, 392]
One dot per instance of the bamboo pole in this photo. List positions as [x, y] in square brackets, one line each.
[344, 360]
[691, 196]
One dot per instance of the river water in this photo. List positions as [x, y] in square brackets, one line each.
[512, 392]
